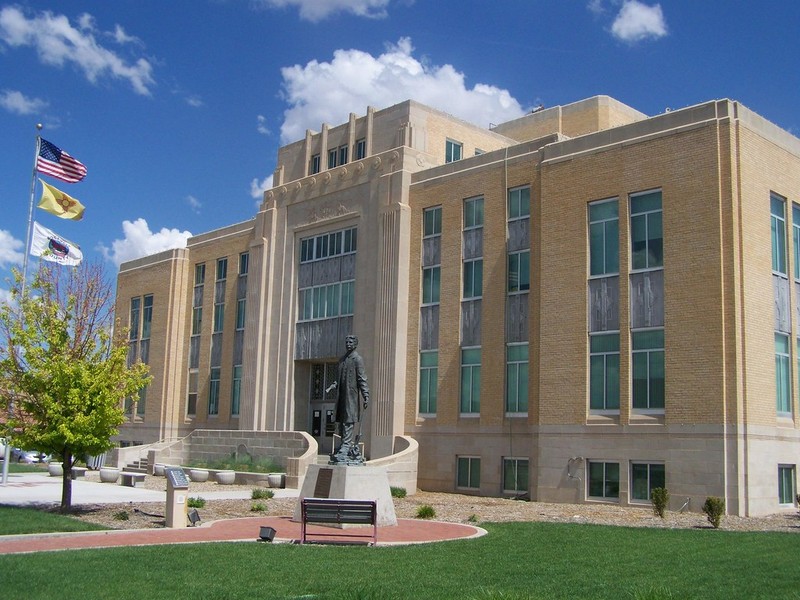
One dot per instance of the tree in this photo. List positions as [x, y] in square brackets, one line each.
[64, 372]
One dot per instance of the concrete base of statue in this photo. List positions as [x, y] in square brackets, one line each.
[344, 482]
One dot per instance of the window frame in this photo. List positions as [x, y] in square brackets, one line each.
[470, 395]
[236, 389]
[651, 217]
[360, 149]
[472, 472]
[473, 213]
[778, 235]
[518, 271]
[787, 497]
[607, 482]
[214, 384]
[661, 479]
[428, 383]
[451, 148]
[472, 279]
[516, 463]
[518, 214]
[601, 220]
[520, 389]
[435, 222]
[651, 353]
[783, 367]
[607, 381]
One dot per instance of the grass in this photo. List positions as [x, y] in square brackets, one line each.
[516, 561]
[18, 520]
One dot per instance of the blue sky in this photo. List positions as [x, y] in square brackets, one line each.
[178, 108]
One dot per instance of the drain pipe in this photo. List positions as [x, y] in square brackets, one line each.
[571, 465]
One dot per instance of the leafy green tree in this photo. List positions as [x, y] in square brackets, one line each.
[64, 372]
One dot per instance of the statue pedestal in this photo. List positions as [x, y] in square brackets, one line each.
[349, 483]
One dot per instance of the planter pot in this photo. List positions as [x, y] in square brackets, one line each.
[198, 475]
[158, 469]
[275, 480]
[55, 469]
[225, 477]
[109, 474]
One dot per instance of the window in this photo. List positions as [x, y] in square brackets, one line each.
[517, 378]
[778, 233]
[332, 155]
[648, 369]
[244, 263]
[361, 149]
[134, 318]
[191, 401]
[470, 380]
[519, 203]
[327, 245]
[645, 477]
[473, 278]
[783, 377]
[647, 244]
[342, 155]
[315, 164]
[428, 381]
[786, 485]
[519, 271]
[603, 480]
[147, 317]
[469, 472]
[452, 151]
[796, 240]
[197, 320]
[432, 221]
[325, 301]
[431, 281]
[473, 213]
[604, 238]
[222, 269]
[337, 157]
[219, 317]
[604, 371]
[200, 274]
[241, 305]
[515, 475]
[236, 390]
[140, 403]
[213, 391]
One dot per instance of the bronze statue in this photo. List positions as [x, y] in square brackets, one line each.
[351, 382]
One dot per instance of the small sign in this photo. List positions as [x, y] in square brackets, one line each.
[323, 487]
[176, 477]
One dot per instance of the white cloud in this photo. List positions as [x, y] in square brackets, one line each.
[11, 249]
[262, 125]
[194, 204]
[637, 21]
[317, 10]
[5, 296]
[194, 101]
[16, 102]
[327, 92]
[257, 188]
[58, 43]
[140, 241]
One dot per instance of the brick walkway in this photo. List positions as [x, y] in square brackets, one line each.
[407, 531]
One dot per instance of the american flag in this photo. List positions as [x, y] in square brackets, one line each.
[53, 161]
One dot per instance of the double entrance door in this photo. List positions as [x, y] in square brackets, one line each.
[322, 404]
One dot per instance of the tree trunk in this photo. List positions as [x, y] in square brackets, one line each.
[66, 483]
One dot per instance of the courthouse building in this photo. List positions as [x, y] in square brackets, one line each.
[578, 305]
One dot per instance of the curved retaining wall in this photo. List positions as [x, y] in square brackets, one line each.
[401, 465]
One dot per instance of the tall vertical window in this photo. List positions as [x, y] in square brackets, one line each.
[519, 203]
[519, 271]
[452, 151]
[241, 305]
[244, 263]
[191, 400]
[236, 390]
[136, 304]
[647, 243]
[213, 391]
[342, 155]
[468, 472]
[332, 155]
[603, 480]
[432, 221]
[470, 380]
[517, 378]
[147, 317]
[222, 268]
[315, 164]
[428, 381]
[473, 213]
[783, 375]
[645, 477]
[777, 207]
[796, 240]
[604, 371]
[431, 282]
[648, 369]
[197, 320]
[786, 485]
[515, 475]
[200, 274]
[604, 237]
[219, 317]
[473, 278]
[361, 149]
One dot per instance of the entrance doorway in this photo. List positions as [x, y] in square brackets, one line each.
[322, 404]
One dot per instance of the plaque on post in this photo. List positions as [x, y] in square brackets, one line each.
[177, 493]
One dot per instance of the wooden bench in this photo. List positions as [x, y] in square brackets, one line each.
[332, 511]
[131, 479]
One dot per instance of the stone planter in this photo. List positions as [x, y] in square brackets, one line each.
[55, 469]
[198, 475]
[225, 477]
[109, 474]
[158, 469]
[275, 480]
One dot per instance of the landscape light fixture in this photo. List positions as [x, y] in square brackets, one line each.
[267, 534]
[194, 517]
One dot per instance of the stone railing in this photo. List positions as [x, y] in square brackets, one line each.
[401, 465]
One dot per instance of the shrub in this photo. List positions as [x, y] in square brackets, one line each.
[196, 502]
[714, 508]
[261, 494]
[398, 492]
[121, 515]
[426, 511]
[660, 499]
[258, 507]
[472, 519]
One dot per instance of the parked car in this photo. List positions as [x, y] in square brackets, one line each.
[3, 445]
[29, 456]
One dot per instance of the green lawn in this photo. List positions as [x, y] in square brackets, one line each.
[16, 520]
[515, 561]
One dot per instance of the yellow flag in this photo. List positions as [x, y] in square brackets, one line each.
[60, 204]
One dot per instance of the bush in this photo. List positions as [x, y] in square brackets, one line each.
[121, 515]
[196, 502]
[258, 507]
[472, 519]
[660, 499]
[398, 492]
[261, 494]
[426, 511]
[714, 508]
